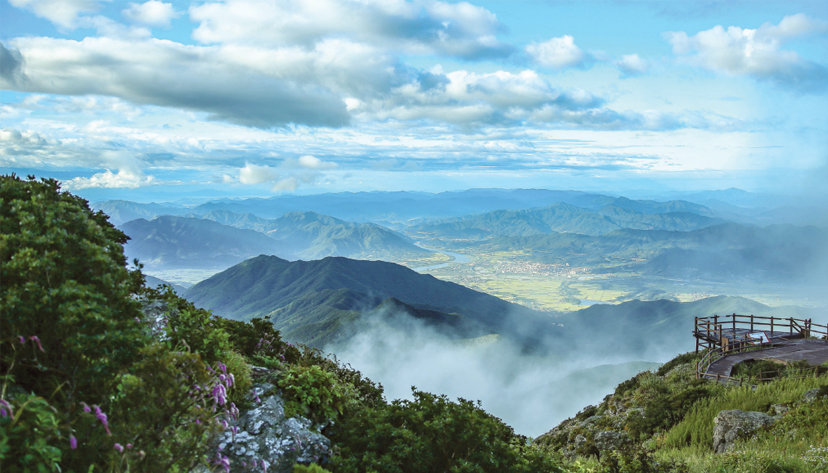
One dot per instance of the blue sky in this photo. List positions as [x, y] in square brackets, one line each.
[154, 100]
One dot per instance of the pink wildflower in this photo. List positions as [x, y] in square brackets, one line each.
[73, 442]
[37, 340]
[102, 417]
[118, 447]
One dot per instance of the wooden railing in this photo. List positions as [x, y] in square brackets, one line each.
[725, 330]
[735, 333]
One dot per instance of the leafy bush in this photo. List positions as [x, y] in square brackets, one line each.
[311, 391]
[431, 434]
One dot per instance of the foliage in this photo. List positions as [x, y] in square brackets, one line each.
[65, 282]
[312, 468]
[634, 459]
[313, 392]
[429, 434]
[29, 431]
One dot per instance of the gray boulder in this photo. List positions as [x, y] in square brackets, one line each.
[264, 434]
[733, 425]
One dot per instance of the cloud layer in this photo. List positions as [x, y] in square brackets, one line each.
[757, 52]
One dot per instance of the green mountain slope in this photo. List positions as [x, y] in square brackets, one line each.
[333, 290]
[169, 242]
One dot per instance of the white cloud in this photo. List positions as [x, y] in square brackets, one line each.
[312, 162]
[558, 53]
[124, 178]
[756, 52]
[631, 64]
[152, 13]
[255, 174]
[63, 13]
[419, 27]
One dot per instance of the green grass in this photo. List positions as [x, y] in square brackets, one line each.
[696, 429]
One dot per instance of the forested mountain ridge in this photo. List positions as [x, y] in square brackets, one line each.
[294, 293]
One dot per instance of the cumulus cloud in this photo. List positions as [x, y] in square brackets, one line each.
[122, 179]
[419, 27]
[255, 174]
[152, 13]
[757, 52]
[631, 65]
[558, 53]
[63, 13]
[170, 74]
[11, 63]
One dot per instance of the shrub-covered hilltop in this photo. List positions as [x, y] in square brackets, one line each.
[99, 373]
[668, 420]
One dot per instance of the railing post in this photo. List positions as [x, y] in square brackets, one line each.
[790, 326]
[771, 331]
[734, 325]
[751, 322]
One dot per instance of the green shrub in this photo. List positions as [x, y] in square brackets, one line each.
[243, 381]
[432, 434]
[312, 391]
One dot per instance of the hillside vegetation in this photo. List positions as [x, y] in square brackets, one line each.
[663, 420]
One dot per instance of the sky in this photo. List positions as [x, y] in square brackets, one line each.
[231, 98]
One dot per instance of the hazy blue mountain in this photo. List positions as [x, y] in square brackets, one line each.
[169, 242]
[402, 206]
[309, 298]
[155, 283]
[566, 218]
[122, 211]
[309, 235]
[726, 251]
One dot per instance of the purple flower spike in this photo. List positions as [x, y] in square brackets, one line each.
[73, 442]
[137, 319]
[118, 447]
[37, 340]
[102, 417]
[22, 339]
[129, 445]
[86, 407]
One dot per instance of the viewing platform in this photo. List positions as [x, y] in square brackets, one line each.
[732, 339]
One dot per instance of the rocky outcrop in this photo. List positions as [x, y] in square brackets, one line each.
[735, 424]
[814, 394]
[609, 440]
[263, 434]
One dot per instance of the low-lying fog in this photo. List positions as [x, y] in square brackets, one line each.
[530, 393]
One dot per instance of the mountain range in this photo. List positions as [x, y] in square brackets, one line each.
[169, 242]
[567, 218]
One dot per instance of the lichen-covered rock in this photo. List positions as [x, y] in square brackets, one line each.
[264, 434]
[735, 424]
[813, 394]
[609, 440]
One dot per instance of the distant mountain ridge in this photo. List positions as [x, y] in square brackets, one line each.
[567, 218]
[309, 235]
[782, 252]
[170, 242]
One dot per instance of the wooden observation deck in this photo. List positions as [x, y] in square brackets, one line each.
[731, 339]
